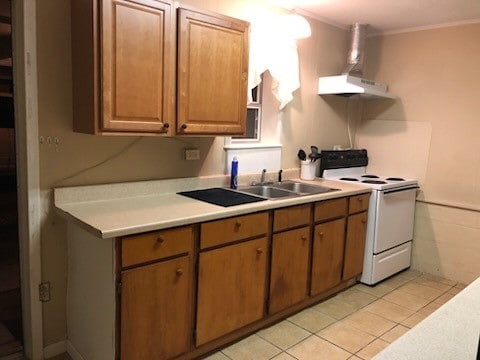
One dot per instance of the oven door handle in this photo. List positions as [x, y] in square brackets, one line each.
[388, 192]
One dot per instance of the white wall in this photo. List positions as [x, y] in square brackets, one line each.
[435, 75]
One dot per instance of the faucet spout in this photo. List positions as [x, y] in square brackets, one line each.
[262, 178]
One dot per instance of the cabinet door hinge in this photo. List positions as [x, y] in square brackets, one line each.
[119, 288]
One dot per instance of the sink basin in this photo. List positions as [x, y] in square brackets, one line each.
[302, 188]
[285, 189]
[267, 191]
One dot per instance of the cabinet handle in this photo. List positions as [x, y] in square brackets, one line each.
[160, 240]
[184, 126]
[179, 272]
[259, 250]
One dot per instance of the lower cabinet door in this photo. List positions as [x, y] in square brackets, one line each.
[289, 270]
[327, 259]
[355, 245]
[156, 310]
[231, 288]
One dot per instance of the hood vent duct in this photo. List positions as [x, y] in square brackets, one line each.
[351, 83]
[356, 52]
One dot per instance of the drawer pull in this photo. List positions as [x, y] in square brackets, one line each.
[259, 251]
[160, 240]
[179, 272]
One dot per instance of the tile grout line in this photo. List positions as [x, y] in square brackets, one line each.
[403, 281]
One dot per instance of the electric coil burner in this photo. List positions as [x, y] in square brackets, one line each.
[391, 211]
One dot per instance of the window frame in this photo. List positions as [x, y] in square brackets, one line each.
[256, 104]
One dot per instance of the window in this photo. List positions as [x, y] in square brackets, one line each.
[254, 116]
[260, 148]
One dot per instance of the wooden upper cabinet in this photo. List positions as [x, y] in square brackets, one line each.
[212, 73]
[138, 70]
[125, 71]
[123, 61]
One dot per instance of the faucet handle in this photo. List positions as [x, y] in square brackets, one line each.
[280, 175]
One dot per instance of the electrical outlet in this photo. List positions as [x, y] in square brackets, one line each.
[44, 291]
[192, 154]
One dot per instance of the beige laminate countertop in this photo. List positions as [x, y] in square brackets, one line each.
[113, 210]
[452, 332]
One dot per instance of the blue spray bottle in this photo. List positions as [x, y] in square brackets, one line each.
[234, 173]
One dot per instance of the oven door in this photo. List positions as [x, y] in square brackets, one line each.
[394, 218]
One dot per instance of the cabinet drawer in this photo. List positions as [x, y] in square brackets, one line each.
[291, 217]
[237, 228]
[330, 209]
[358, 203]
[138, 249]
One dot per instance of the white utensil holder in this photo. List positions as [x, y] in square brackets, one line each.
[308, 170]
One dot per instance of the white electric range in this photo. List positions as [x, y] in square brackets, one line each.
[391, 211]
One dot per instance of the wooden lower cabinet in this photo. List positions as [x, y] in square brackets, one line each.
[354, 245]
[156, 303]
[327, 258]
[231, 288]
[246, 265]
[289, 269]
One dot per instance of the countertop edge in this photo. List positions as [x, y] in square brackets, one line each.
[98, 217]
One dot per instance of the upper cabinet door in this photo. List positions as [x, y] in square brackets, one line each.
[212, 73]
[138, 66]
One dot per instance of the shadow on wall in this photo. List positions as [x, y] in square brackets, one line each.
[392, 109]
[100, 160]
[446, 243]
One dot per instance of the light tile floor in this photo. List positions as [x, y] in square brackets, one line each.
[356, 324]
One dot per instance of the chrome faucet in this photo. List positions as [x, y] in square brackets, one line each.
[262, 178]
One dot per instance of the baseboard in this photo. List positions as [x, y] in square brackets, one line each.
[74, 354]
[55, 349]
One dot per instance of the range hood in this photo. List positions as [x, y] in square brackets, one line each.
[351, 83]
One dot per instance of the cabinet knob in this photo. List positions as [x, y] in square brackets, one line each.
[184, 126]
[259, 250]
[321, 234]
[360, 199]
[364, 221]
[166, 125]
[304, 238]
[160, 240]
[238, 223]
[179, 272]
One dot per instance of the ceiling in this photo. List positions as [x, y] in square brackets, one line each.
[390, 15]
